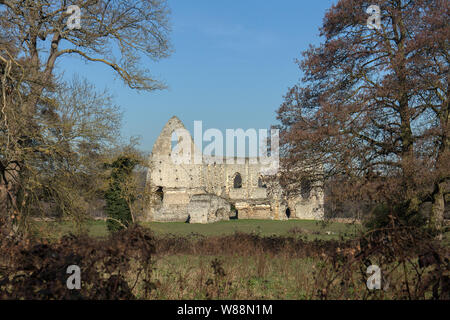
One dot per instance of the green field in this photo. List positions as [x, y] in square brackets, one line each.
[212, 261]
[307, 228]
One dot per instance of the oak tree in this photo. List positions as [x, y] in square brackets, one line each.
[372, 108]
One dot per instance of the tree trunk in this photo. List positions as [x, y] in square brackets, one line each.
[437, 209]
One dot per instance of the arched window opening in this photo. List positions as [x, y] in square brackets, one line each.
[159, 192]
[235, 215]
[237, 182]
[176, 141]
[261, 184]
[288, 213]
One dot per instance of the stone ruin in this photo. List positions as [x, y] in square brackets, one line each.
[210, 192]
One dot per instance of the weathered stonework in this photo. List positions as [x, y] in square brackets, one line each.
[205, 208]
[203, 193]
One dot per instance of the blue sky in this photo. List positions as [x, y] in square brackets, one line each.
[232, 63]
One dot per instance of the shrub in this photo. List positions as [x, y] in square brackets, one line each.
[117, 207]
[110, 269]
[383, 216]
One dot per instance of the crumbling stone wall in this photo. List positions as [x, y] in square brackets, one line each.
[202, 193]
[206, 208]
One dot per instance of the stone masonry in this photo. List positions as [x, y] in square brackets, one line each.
[203, 193]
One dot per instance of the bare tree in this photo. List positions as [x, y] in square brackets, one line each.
[34, 35]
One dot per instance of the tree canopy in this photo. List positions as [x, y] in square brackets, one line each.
[372, 106]
[52, 131]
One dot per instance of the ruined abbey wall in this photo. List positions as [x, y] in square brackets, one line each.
[206, 192]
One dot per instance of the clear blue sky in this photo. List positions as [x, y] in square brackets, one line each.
[232, 64]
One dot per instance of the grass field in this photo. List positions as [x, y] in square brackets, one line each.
[307, 228]
[244, 277]
[255, 259]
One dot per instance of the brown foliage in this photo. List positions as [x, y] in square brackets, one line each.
[373, 106]
[413, 266]
[108, 267]
[245, 244]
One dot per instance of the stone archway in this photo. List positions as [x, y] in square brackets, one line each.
[159, 193]
[288, 213]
